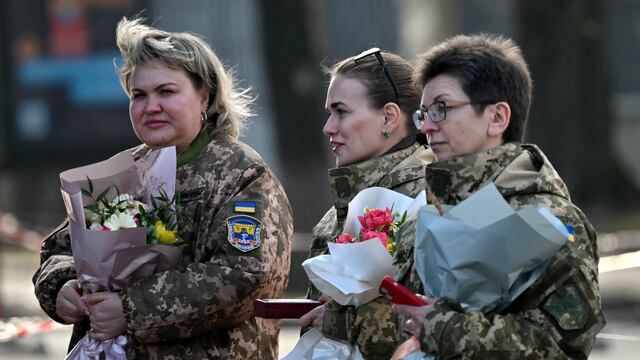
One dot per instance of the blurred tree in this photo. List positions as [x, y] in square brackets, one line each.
[572, 118]
[291, 40]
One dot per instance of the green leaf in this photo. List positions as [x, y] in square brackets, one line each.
[90, 183]
[93, 208]
[103, 196]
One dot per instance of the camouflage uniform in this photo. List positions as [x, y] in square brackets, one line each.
[559, 316]
[203, 308]
[371, 326]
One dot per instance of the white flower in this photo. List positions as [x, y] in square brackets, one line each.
[122, 201]
[127, 203]
[133, 207]
[96, 226]
[120, 221]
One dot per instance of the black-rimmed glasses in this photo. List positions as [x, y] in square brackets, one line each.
[438, 110]
[375, 51]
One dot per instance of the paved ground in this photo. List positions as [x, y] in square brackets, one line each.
[620, 294]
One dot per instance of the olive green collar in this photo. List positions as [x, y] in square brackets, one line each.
[194, 149]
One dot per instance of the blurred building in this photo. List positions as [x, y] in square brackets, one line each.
[63, 105]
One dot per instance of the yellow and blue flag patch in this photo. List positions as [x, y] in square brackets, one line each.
[570, 230]
[248, 207]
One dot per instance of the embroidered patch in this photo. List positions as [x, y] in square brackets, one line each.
[567, 308]
[244, 207]
[244, 232]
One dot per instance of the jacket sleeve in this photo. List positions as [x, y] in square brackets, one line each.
[558, 317]
[217, 289]
[56, 268]
[370, 326]
[373, 329]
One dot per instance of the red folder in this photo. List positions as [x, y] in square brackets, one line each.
[283, 308]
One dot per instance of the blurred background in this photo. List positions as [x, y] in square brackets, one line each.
[62, 107]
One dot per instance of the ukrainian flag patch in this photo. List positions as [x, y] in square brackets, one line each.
[248, 207]
[244, 232]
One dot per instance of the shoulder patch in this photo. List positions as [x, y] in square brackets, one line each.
[244, 232]
[567, 308]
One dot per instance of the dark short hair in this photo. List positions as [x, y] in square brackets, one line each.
[378, 88]
[490, 68]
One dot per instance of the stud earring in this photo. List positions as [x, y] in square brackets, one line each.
[385, 134]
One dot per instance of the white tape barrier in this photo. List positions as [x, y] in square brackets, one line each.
[619, 262]
[11, 232]
[618, 337]
[16, 328]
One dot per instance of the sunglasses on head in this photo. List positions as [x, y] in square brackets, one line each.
[375, 51]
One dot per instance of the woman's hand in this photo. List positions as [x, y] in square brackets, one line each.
[314, 318]
[415, 315]
[106, 315]
[69, 305]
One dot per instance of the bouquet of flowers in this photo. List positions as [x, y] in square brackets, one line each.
[124, 211]
[469, 254]
[128, 231]
[352, 271]
[377, 224]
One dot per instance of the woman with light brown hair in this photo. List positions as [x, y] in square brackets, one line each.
[369, 104]
[181, 95]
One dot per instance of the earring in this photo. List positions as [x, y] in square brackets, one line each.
[203, 115]
[385, 134]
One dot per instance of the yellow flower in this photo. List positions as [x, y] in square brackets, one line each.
[163, 235]
[389, 246]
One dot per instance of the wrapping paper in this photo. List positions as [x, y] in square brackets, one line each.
[314, 346]
[351, 274]
[108, 260]
[483, 254]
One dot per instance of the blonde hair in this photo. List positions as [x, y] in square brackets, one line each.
[229, 107]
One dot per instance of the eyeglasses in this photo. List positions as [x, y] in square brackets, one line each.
[438, 110]
[375, 51]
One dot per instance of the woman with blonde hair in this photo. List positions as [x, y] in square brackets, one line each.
[181, 95]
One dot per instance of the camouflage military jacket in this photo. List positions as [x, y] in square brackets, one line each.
[203, 308]
[560, 314]
[371, 326]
